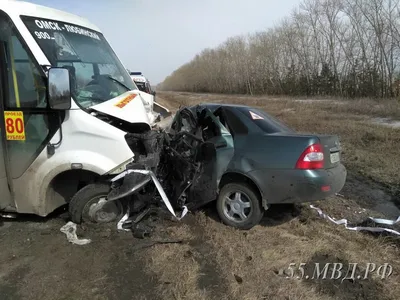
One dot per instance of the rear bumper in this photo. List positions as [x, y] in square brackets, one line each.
[294, 186]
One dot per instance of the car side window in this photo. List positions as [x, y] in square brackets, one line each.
[211, 126]
[221, 118]
[221, 129]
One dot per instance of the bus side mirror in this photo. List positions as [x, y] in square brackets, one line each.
[59, 89]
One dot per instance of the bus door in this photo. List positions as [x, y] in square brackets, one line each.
[6, 200]
[29, 124]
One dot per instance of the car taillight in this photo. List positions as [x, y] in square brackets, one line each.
[311, 158]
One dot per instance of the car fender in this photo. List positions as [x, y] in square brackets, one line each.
[264, 194]
[254, 182]
[36, 180]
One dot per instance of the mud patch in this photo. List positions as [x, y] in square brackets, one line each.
[9, 286]
[370, 195]
[310, 101]
[129, 279]
[387, 122]
[209, 278]
[127, 271]
[204, 253]
[368, 288]
[289, 110]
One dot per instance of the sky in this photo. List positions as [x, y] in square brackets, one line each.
[158, 36]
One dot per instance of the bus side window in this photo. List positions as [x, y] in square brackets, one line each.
[29, 87]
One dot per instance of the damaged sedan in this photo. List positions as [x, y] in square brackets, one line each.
[238, 156]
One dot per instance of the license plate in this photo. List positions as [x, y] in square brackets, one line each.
[335, 157]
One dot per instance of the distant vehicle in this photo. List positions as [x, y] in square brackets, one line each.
[142, 83]
[146, 91]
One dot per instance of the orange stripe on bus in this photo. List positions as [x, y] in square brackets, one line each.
[125, 101]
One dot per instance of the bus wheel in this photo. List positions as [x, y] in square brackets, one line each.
[89, 205]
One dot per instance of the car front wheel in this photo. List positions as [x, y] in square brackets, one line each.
[239, 206]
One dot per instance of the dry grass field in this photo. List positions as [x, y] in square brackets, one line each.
[219, 262]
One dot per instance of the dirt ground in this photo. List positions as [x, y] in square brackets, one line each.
[218, 262]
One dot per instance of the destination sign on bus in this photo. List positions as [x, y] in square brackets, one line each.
[45, 26]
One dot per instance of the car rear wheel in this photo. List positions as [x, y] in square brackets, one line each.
[239, 206]
[89, 205]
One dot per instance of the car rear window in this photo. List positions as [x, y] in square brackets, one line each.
[264, 121]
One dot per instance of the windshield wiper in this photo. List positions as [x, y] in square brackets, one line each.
[119, 82]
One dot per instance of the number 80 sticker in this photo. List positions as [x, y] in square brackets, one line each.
[15, 129]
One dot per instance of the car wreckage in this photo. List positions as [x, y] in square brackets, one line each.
[238, 156]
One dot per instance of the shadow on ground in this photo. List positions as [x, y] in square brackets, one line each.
[276, 215]
[60, 213]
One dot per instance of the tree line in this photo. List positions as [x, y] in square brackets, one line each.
[348, 48]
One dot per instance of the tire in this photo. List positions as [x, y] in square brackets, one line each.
[250, 196]
[80, 200]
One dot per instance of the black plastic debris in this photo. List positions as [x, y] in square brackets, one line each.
[238, 279]
[141, 231]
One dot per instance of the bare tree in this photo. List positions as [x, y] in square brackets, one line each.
[347, 48]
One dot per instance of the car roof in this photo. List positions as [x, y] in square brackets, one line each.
[217, 105]
[139, 78]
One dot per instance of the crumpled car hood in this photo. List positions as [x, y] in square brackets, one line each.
[130, 107]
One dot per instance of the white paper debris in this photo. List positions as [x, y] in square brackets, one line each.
[358, 228]
[184, 212]
[70, 230]
[122, 221]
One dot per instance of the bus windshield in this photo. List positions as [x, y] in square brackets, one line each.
[96, 74]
